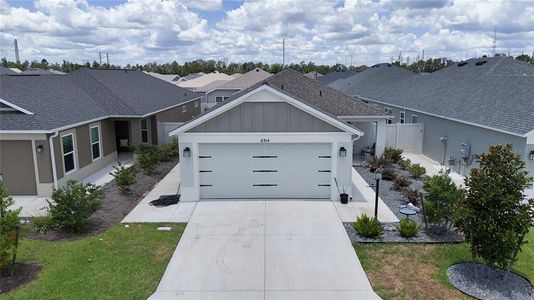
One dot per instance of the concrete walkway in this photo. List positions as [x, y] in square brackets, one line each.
[433, 167]
[264, 250]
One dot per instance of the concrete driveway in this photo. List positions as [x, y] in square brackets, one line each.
[264, 250]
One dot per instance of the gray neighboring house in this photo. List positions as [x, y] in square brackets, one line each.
[54, 128]
[333, 76]
[288, 136]
[172, 78]
[464, 108]
[219, 91]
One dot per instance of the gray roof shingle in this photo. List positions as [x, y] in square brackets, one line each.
[498, 93]
[63, 100]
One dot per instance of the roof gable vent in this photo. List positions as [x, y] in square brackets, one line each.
[320, 93]
[463, 63]
[480, 63]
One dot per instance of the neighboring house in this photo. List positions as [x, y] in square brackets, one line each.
[313, 75]
[172, 78]
[333, 76]
[464, 108]
[284, 137]
[221, 90]
[39, 71]
[191, 76]
[54, 128]
[7, 71]
[198, 82]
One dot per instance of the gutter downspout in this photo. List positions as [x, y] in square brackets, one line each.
[53, 157]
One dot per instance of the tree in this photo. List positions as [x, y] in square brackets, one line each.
[441, 194]
[495, 215]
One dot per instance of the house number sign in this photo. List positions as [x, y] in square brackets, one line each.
[264, 141]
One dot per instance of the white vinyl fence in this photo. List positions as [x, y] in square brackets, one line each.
[407, 136]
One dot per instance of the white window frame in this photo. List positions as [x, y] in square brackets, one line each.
[197, 103]
[417, 118]
[147, 132]
[97, 126]
[223, 98]
[388, 111]
[402, 116]
[184, 109]
[73, 153]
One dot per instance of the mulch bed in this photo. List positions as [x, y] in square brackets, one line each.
[391, 235]
[115, 206]
[23, 274]
[488, 282]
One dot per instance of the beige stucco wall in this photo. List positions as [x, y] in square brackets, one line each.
[17, 167]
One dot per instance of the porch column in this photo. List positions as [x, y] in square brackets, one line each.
[380, 137]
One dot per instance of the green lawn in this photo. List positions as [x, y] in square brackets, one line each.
[121, 263]
[418, 271]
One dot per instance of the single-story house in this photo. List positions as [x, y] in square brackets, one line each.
[172, 78]
[219, 91]
[287, 136]
[464, 108]
[54, 128]
[200, 81]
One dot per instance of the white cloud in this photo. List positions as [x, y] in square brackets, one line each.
[370, 31]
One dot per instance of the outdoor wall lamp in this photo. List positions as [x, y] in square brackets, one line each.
[187, 152]
[342, 152]
[39, 148]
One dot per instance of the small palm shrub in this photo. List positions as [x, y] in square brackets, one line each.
[73, 204]
[124, 176]
[368, 227]
[416, 170]
[401, 182]
[148, 158]
[408, 228]
[413, 196]
[405, 164]
[9, 228]
[393, 155]
[389, 174]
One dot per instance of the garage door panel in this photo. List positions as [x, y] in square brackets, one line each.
[264, 170]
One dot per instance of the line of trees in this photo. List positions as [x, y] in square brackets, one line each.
[210, 65]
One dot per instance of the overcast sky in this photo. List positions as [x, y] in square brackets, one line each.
[323, 31]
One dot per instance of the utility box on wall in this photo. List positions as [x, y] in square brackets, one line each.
[465, 151]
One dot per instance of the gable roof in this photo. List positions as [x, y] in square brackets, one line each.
[58, 101]
[310, 92]
[333, 76]
[244, 80]
[166, 77]
[204, 80]
[496, 92]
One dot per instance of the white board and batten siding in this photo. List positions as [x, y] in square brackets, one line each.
[406, 136]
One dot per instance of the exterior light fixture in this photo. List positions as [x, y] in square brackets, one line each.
[187, 152]
[378, 177]
[342, 152]
[39, 148]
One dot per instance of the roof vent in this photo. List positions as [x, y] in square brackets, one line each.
[480, 63]
[320, 93]
[257, 70]
[282, 86]
[461, 64]
[389, 65]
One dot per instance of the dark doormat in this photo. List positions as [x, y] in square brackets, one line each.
[165, 200]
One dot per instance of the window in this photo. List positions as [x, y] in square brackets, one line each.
[184, 108]
[388, 111]
[95, 141]
[414, 118]
[67, 145]
[402, 116]
[220, 98]
[196, 103]
[144, 131]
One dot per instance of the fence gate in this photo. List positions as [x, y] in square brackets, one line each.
[406, 136]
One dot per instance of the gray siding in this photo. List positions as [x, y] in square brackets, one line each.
[265, 117]
[458, 133]
[217, 93]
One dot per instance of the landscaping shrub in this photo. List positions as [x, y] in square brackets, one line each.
[124, 176]
[41, 224]
[368, 227]
[376, 162]
[413, 196]
[9, 228]
[416, 170]
[389, 174]
[169, 150]
[408, 228]
[393, 155]
[401, 182]
[73, 204]
[495, 215]
[148, 158]
[441, 196]
[405, 164]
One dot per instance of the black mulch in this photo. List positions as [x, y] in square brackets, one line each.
[489, 283]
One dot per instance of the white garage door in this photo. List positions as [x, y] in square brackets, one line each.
[264, 170]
